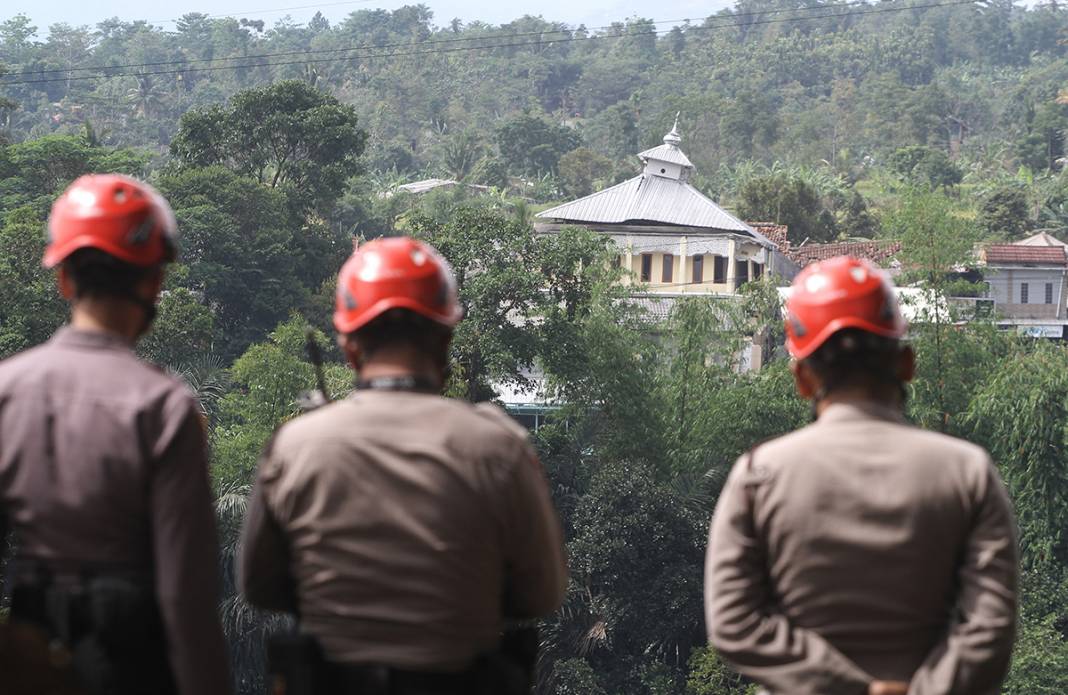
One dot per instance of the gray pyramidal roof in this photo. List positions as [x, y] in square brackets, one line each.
[654, 197]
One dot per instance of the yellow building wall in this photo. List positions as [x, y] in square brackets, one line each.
[682, 273]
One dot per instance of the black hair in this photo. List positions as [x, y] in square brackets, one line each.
[852, 358]
[98, 274]
[403, 328]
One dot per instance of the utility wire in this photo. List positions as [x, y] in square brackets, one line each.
[433, 42]
[521, 44]
[320, 51]
[276, 9]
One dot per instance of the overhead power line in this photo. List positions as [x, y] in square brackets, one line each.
[321, 51]
[455, 49]
[245, 13]
[433, 42]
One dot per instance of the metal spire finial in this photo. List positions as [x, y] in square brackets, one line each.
[673, 137]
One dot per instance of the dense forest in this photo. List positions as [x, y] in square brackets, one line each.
[941, 124]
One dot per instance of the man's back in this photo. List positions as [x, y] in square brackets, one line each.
[412, 522]
[103, 472]
[874, 532]
[79, 417]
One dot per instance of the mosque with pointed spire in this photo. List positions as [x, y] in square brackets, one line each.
[673, 238]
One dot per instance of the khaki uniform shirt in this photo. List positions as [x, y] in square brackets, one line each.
[862, 548]
[102, 466]
[403, 528]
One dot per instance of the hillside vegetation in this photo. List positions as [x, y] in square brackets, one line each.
[940, 124]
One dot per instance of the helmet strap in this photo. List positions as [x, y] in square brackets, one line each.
[148, 309]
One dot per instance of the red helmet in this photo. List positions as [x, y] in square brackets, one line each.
[395, 273]
[121, 216]
[836, 294]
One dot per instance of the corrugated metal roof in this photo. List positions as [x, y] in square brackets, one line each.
[425, 185]
[650, 199]
[1041, 239]
[666, 153]
[1013, 253]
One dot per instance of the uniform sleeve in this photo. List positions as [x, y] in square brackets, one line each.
[263, 565]
[743, 621]
[186, 550]
[974, 656]
[536, 572]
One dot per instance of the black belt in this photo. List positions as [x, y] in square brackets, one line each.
[374, 679]
[25, 571]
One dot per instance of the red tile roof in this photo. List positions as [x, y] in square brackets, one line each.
[878, 252]
[776, 233]
[1017, 254]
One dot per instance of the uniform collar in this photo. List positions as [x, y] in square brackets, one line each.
[407, 382]
[866, 410]
[69, 336]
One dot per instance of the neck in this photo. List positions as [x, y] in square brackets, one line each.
[402, 364]
[117, 317]
[860, 397]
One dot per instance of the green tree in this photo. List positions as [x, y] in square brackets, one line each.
[458, 153]
[636, 571]
[244, 255]
[581, 169]
[38, 170]
[934, 241]
[710, 676]
[1004, 213]
[492, 256]
[182, 332]
[1021, 415]
[533, 146]
[785, 199]
[31, 309]
[287, 135]
[575, 677]
[921, 165]
[1043, 143]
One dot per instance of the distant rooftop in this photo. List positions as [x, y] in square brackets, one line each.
[648, 199]
[1041, 239]
[776, 233]
[661, 194]
[427, 185]
[1025, 255]
[877, 251]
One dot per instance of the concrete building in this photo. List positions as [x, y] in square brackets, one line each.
[1027, 288]
[671, 237]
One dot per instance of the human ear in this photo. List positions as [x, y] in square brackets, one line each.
[351, 349]
[150, 285]
[906, 364]
[804, 380]
[65, 283]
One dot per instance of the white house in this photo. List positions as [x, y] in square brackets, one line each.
[1027, 284]
[673, 238]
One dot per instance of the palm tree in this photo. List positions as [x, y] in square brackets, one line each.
[144, 96]
[247, 629]
[209, 380]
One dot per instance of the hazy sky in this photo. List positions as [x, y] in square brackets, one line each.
[589, 12]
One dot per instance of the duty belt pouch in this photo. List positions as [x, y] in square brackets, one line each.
[295, 664]
[125, 649]
[510, 670]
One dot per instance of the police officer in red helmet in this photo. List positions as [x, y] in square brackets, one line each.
[403, 528]
[103, 470]
[861, 555]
